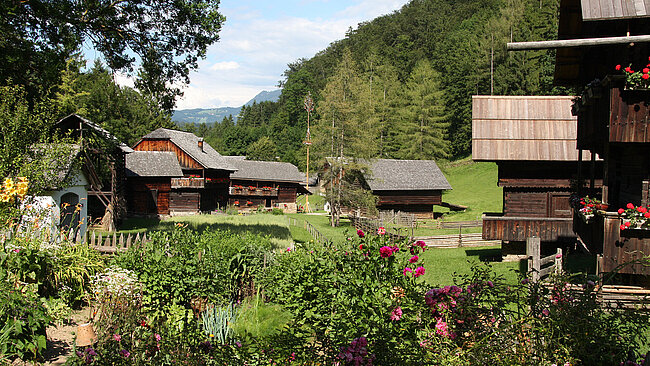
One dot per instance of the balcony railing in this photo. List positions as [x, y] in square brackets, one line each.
[246, 191]
[188, 183]
[520, 228]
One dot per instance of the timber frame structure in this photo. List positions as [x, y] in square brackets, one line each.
[612, 120]
[532, 139]
[106, 156]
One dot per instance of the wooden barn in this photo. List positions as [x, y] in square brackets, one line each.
[595, 37]
[411, 186]
[532, 139]
[203, 186]
[149, 176]
[105, 155]
[264, 183]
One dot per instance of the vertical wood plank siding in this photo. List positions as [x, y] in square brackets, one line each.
[186, 161]
[629, 116]
[140, 192]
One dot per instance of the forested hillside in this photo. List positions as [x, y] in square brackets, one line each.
[400, 86]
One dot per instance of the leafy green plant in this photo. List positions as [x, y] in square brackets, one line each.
[260, 320]
[217, 323]
[23, 320]
[74, 267]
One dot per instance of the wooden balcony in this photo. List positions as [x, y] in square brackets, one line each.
[188, 183]
[629, 116]
[498, 227]
[245, 191]
[619, 248]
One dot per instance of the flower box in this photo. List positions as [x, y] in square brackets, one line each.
[634, 217]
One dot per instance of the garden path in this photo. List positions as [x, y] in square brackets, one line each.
[60, 338]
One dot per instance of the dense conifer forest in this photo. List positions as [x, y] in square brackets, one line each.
[400, 86]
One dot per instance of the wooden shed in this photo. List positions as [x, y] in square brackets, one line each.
[612, 119]
[264, 183]
[411, 186]
[203, 186]
[106, 155]
[532, 139]
[149, 175]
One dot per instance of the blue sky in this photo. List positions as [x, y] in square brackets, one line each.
[260, 37]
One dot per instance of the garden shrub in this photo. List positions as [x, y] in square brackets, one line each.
[23, 320]
[366, 287]
[192, 269]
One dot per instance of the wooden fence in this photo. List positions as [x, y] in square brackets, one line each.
[318, 237]
[368, 225]
[459, 224]
[541, 267]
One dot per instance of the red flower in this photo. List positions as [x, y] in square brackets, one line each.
[630, 206]
[646, 215]
[620, 211]
[618, 67]
[629, 69]
[622, 227]
[360, 246]
[642, 209]
[381, 231]
[627, 224]
[144, 324]
[645, 76]
[360, 233]
[646, 70]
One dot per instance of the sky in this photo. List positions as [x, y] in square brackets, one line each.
[259, 39]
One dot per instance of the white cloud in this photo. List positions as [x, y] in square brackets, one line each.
[226, 65]
[124, 80]
[254, 51]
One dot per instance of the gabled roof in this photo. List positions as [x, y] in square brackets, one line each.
[71, 122]
[264, 170]
[152, 164]
[208, 157]
[616, 9]
[403, 175]
[533, 128]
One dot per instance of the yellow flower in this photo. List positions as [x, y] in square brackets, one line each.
[9, 183]
[211, 335]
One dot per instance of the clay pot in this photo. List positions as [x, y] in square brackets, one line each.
[86, 335]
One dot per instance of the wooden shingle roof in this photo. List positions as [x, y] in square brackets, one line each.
[532, 128]
[615, 9]
[152, 164]
[264, 170]
[208, 157]
[406, 175]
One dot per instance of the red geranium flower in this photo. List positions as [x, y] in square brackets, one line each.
[630, 206]
[618, 67]
[627, 224]
[620, 211]
[645, 76]
[622, 227]
[646, 70]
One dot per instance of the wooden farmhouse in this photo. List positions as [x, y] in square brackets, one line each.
[264, 183]
[533, 142]
[105, 155]
[149, 177]
[411, 186]
[612, 119]
[202, 187]
[595, 37]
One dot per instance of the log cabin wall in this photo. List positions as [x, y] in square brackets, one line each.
[148, 196]
[287, 194]
[186, 161]
[184, 201]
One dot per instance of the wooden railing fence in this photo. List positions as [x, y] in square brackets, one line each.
[459, 224]
[368, 225]
[541, 267]
[318, 237]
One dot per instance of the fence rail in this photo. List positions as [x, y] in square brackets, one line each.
[459, 224]
[538, 266]
[311, 229]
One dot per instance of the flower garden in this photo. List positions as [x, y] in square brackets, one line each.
[215, 297]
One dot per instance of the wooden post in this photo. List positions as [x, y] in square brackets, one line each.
[460, 235]
[533, 251]
[558, 261]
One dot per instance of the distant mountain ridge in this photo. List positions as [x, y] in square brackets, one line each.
[212, 115]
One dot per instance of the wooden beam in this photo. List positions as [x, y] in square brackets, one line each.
[579, 42]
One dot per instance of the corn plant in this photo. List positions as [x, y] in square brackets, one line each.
[217, 323]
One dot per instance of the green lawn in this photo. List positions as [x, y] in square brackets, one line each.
[475, 186]
[442, 264]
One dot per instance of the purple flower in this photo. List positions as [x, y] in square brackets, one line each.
[407, 270]
[117, 337]
[414, 259]
[546, 312]
[157, 337]
[385, 251]
[238, 344]
[525, 281]
[91, 352]
[490, 284]
[124, 353]
[418, 272]
[396, 314]
[360, 233]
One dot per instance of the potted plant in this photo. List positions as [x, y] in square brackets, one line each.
[634, 217]
[636, 80]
